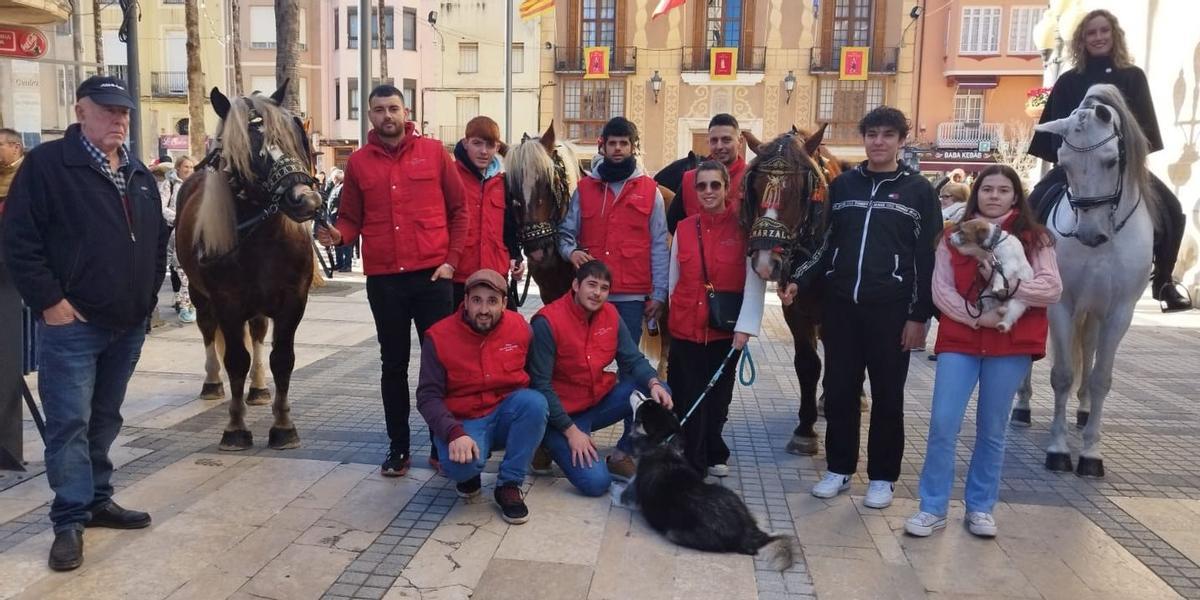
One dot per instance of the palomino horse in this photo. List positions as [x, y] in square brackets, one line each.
[1104, 234]
[249, 258]
[783, 210]
[542, 175]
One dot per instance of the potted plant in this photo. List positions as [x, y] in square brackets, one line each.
[1035, 101]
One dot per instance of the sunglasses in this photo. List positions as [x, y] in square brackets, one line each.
[942, 196]
[709, 185]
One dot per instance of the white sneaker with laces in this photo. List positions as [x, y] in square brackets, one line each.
[879, 494]
[721, 470]
[832, 485]
[923, 524]
[981, 524]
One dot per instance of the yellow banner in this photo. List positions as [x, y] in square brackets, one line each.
[722, 63]
[532, 8]
[853, 66]
[595, 64]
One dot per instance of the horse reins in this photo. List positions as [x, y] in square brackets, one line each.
[990, 244]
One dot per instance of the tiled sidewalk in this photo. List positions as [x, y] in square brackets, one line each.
[320, 522]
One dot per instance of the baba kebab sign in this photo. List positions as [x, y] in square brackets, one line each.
[21, 42]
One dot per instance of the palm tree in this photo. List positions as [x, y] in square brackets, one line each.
[235, 34]
[195, 78]
[382, 44]
[287, 51]
[98, 30]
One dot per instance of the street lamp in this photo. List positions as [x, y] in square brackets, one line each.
[656, 82]
[789, 86]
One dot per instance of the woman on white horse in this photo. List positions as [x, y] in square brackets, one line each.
[972, 351]
[1100, 55]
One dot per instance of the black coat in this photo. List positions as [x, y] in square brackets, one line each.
[1072, 86]
[67, 235]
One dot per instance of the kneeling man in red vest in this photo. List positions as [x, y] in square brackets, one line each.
[474, 394]
[574, 339]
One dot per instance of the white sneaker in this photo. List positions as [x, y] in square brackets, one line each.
[721, 470]
[981, 524]
[923, 524]
[832, 485]
[879, 494]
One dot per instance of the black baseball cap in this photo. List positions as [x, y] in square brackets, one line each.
[109, 91]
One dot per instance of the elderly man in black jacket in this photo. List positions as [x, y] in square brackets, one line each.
[86, 246]
[877, 262]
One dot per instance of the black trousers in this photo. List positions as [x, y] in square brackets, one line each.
[397, 301]
[866, 338]
[1168, 228]
[689, 367]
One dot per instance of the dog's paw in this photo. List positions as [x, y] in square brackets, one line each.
[622, 496]
[1003, 327]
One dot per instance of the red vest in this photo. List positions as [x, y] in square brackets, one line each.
[1028, 335]
[584, 347]
[733, 200]
[404, 224]
[725, 258]
[484, 248]
[617, 230]
[481, 369]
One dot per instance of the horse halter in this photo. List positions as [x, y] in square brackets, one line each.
[544, 234]
[1113, 199]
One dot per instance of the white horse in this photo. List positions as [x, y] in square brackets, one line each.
[1104, 235]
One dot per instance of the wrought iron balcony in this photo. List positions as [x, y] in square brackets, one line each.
[967, 135]
[169, 84]
[880, 60]
[35, 12]
[569, 59]
[751, 60]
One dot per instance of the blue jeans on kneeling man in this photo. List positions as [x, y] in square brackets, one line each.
[516, 426]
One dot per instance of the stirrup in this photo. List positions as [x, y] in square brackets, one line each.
[1165, 306]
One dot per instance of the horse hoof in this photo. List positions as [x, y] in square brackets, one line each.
[258, 397]
[801, 445]
[283, 439]
[1081, 421]
[1058, 462]
[1090, 467]
[212, 391]
[1021, 417]
[236, 441]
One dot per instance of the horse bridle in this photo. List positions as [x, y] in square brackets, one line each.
[771, 234]
[543, 235]
[1089, 202]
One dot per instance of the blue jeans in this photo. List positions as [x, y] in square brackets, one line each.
[516, 425]
[614, 407]
[631, 312]
[84, 370]
[998, 378]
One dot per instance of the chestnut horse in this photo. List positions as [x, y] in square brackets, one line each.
[242, 241]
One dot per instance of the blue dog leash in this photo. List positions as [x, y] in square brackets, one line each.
[745, 362]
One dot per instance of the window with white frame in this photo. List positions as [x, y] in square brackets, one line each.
[843, 103]
[968, 106]
[262, 27]
[352, 98]
[980, 32]
[303, 29]
[468, 58]
[410, 29]
[467, 109]
[1020, 31]
[518, 58]
[589, 103]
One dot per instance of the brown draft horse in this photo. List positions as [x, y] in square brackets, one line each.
[785, 217]
[242, 242]
[541, 175]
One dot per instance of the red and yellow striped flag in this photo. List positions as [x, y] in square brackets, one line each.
[665, 5]
[532, 8]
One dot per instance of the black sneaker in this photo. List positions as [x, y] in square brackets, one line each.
[512, 505]
[396, 464]
[469, 488]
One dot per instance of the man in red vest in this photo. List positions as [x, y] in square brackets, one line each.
[724, 146]
[401, 194]
[574, 339]
[474, 393]
[616, 215]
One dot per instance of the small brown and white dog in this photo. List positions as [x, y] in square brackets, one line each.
[987, 243]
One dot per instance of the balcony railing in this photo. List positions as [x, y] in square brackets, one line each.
[879, 60]
[621, 59]
[753, 60]
[967, 135]
[168, 84]
[35, 12]
[119, 71]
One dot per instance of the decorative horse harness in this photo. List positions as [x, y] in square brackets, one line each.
[768, 233]
[543, 235]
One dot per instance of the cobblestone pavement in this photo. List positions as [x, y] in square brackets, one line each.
[319, 521]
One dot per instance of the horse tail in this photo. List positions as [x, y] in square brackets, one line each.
[318, 278]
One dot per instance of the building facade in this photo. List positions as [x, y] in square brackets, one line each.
[978, 59]
[787, 68]
[463, 58]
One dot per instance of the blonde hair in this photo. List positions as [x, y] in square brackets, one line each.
[1077, 51]
[960, 191]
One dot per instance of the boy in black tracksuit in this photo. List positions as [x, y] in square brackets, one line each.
[877, 265]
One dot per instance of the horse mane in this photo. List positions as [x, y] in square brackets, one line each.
[215, 230]
[526, 165]
[571, 161]
[1137, 147]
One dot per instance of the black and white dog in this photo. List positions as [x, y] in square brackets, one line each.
[678, 503]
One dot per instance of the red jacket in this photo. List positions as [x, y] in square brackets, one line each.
[481, 369]
[484, 248]
[725, 259]
[584, 348]
[617, 230]
[733, 200]
[406, 203]
[1028, 335]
